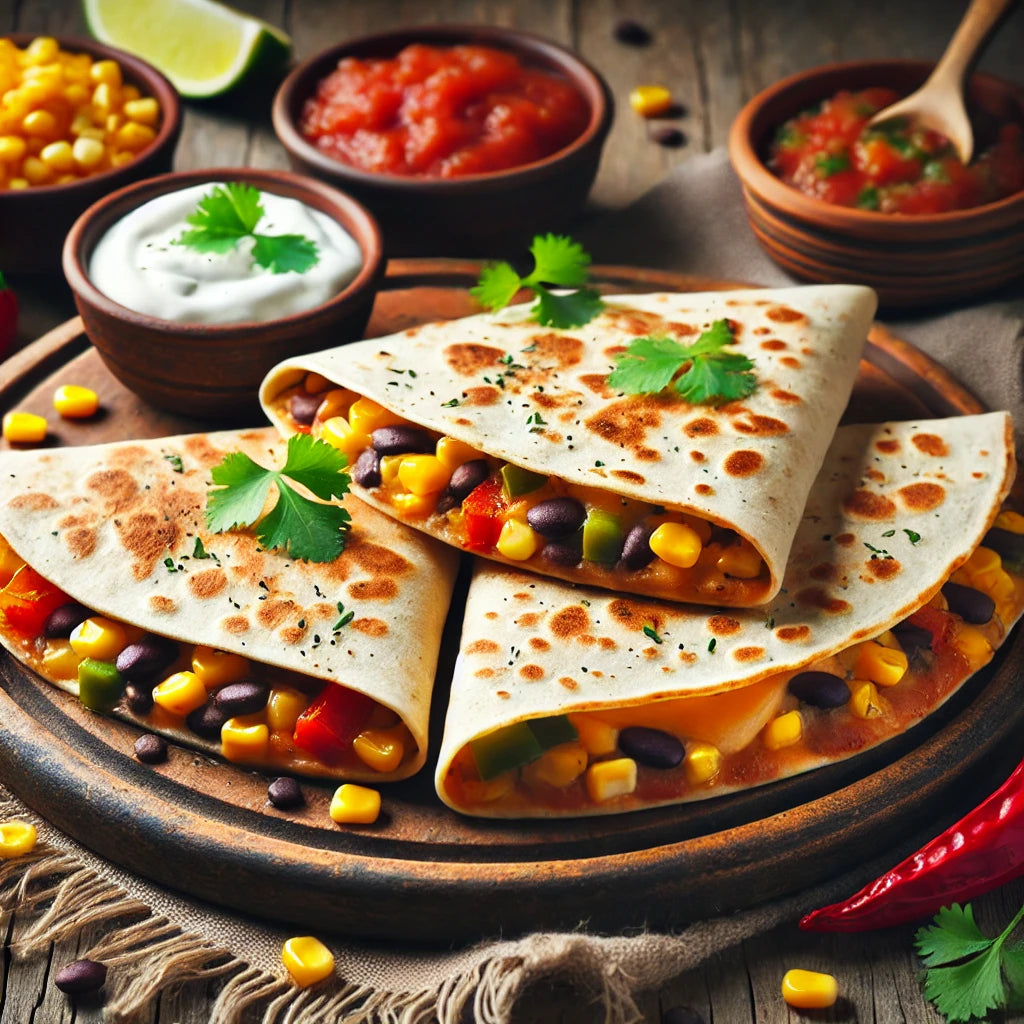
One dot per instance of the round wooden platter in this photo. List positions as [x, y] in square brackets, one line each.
[423, 873]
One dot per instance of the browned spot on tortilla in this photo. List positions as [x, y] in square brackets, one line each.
[650, 653]
[631, 615]
[606, 643]
[491, 615]
[723, 625]
[698, 456]
[772, 344]
[146, 537]
[628, 475]
[551, 435]
[790, 363]
[627, 421]
[636, 321]
[81, 541]
[569, 621]
[786, 397]
[370, 627]
[704, 489]
[235, 624]
[978, 475]
[597, 383]
[468, 358]
[522, 595]
[760, 426]
[322, 610]
[377, 559]
[888, 447]
[463, 422]
[486, 394]
[485, 673]
[116, 487]
[867, 505]
[275, 610]
[532, 672]
[586, 640]
[161, 604]
[483, 647]
[922, 497]
[35, 502]
[703, 426]
[884, 568]
[562, 349]
[762, 330]
[208, 583]
[373, 590]
[568, 682]
[749, 653]
[528, 619]
[538, 643]
[687, 657]
[503, 694]
[826, 572]
[784, 315]
[792, 634]
[875, 474]
[291, 634]
[816, 597]
[845, 540]
[202, 450]
[930, 444]
[648, 454]
[743, 463]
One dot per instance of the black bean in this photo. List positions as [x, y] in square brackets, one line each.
[464, 480]
[681, 1015]
[567, 551]
[242, 698]
[61, 621]
[912, 637]
[285, 793]
[820, 689]
[207, 720]
[80, 977]
[401, 440]
[556, 517]
[303, 406]
[146, 658]
[974, 606]
[139, 699]
[632, 33]
[651, 747]
[1006, 544]
[671, 138]
[366, 471]
[636, 549]
[151, 749]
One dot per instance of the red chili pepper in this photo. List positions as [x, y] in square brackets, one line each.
[482, 513]
[982, 851]
[28, 599]
[8, 318]
[332, 721]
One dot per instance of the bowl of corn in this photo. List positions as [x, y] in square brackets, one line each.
[78, 120]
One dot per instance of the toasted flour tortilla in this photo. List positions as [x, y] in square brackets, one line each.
[537, 398]
[896, 511]
[120, 528]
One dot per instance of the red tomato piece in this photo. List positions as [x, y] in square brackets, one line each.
[332, 721]
[26, 602]
[483, 514]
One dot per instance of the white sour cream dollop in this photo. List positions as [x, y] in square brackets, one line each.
[137, 265]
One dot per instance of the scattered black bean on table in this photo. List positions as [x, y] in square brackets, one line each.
[151, 749]
[285, 793]
[80, 977]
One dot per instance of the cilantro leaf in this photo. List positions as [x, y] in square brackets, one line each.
[707, 374]
[497, 286]
[282, 253]
[306, 529]
[573, 309]
[953, 936]
[558, 260]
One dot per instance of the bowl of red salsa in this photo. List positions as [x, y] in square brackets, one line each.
[832, 199]
[457, 137]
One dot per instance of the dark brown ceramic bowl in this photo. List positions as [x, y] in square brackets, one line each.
[910, 260]
[34, 221]
[467, 215]
[214, 371]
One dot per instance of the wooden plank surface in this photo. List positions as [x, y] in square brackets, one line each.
[713, 56]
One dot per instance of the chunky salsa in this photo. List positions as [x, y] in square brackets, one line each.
[830, 153]
[442, 112]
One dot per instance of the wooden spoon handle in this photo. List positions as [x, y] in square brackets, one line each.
[977, 25]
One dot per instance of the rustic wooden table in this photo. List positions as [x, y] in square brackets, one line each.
[714, 56]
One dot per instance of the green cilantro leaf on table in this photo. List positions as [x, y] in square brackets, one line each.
[231, 212]
[967, 973]
[306, 529]
[707, 373]
[557, 261]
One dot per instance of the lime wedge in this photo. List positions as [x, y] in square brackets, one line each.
[203, 47]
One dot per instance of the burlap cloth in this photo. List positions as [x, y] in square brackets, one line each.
[691, 222]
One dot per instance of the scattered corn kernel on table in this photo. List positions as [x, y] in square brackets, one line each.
[713, 57]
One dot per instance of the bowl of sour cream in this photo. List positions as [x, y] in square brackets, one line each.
[192, 285]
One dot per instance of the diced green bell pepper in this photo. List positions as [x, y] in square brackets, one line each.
[99, 684]
[602, 536]
[520, 743]
[518, 481]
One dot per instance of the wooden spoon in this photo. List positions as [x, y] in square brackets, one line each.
[939, 103]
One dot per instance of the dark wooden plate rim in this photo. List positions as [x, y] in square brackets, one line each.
[461, 879]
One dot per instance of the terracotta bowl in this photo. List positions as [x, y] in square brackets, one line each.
[214, 371]
[34, 221]
[466, 215]
[910, 260]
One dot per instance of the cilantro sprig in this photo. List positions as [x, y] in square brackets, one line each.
[967, 973]
[708, 374]
[306, 529]
[558, 261]
[231, 212]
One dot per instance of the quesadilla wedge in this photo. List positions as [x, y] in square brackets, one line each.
[114, 590]
[574, 701]
[506, 439]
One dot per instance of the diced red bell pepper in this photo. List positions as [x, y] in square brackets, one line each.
[332, 721]
[26, 602]
[483, 514]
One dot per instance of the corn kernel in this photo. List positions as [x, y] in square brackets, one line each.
[650, 100]
[12, 148]
[23, 427]
[864, 702]
[518, 540]
[241, 741]
[42, 50]
[180, 693]
[40, 123]
[337, 432]
[414, 506]
[559, 766]
[16, 838]
[129, 94]
[454, 453]
[106, 72]
[307, 960]
[972, 643]
[389, 468]
[58, 156]
[481, 791]
[36, 172]
[423, 474]
[98, 637]
[597, 737]
[60, 660]
[703, 761]
[133, 136]
[143, 111]
[982, 560]
[88, 153]
[809, 990]
[1010, 520]
[216, 668]
[365, 416]
[885, 666]
[335, 403]
[355, 805]
[740, 561]
[699, 526]
[606, 780]
[381, 749]
[677, 544]
[888, 639]
[284, 705]
[74, 402]
[10, 562]
[783, 731]
[315, 383]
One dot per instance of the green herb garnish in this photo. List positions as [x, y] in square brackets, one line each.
[176, 464]
[558, 261]
[346, 618]
[828, 164]
[306, 529]
[710, 374]
[231, 212]
[653, 634]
